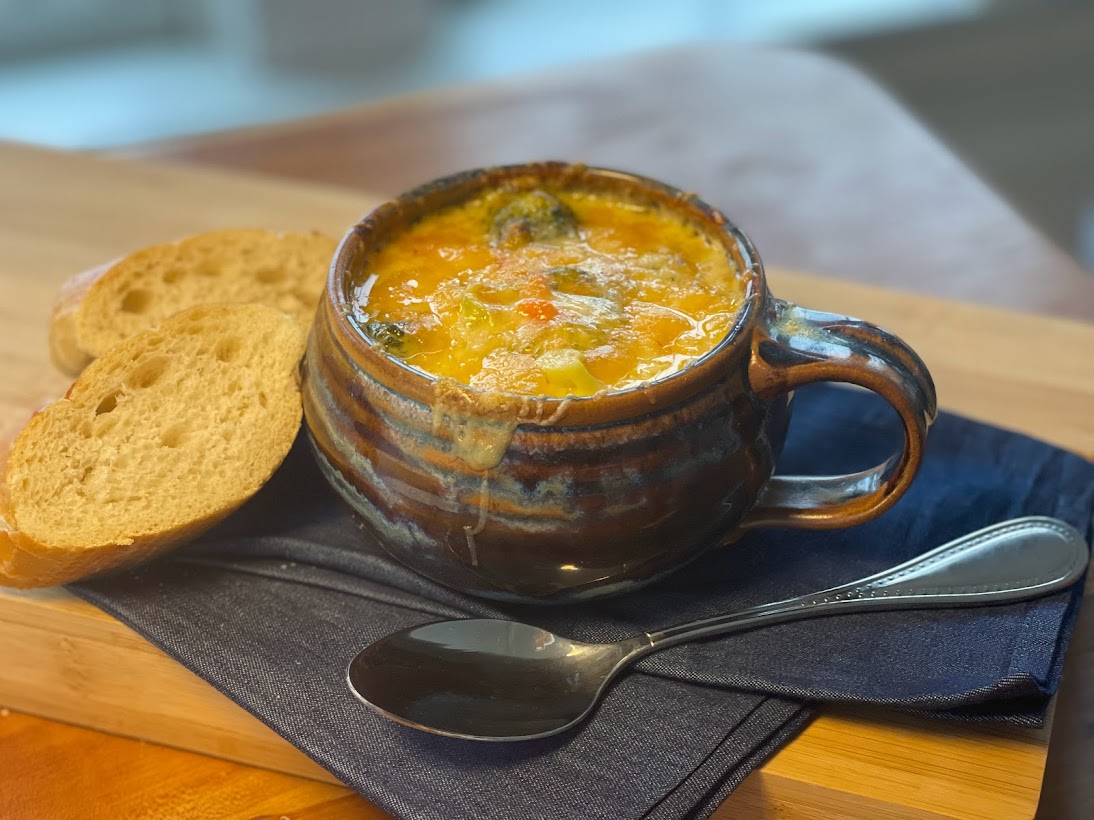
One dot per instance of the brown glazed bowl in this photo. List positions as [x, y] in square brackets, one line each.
[597, 495]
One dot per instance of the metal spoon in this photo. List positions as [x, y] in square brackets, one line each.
[484, 679]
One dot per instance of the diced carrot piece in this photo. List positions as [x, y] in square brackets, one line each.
[539, 309]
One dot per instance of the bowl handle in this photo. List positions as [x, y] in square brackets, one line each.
[794, 347]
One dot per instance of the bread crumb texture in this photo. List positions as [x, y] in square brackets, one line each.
[286, 271]
[157, 440]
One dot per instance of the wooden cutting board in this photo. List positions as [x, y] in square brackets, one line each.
[61, 658]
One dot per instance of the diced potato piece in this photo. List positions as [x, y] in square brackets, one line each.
[566, 373]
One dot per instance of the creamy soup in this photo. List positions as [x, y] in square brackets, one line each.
[541, 293]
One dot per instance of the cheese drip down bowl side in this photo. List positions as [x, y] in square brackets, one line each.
[553, 500]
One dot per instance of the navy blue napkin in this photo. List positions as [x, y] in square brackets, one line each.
[271, 606]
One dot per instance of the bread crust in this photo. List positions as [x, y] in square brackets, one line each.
[65, 350]
[26, 563]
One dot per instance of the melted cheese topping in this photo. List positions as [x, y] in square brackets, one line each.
[560, 294]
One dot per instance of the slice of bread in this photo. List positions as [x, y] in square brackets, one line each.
[157, 440]
[99, 307]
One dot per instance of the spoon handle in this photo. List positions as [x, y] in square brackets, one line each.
[1011, 561]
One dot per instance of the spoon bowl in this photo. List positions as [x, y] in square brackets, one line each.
[539, 683]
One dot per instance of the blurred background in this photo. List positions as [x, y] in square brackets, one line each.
[1008, 84]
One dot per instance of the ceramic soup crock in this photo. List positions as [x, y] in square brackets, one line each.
[555, 500]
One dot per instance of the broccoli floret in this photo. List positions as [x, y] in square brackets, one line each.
[532, 216]
[391, 336]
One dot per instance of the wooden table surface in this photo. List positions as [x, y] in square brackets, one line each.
[816, 163]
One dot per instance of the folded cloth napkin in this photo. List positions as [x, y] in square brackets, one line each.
[271, 606]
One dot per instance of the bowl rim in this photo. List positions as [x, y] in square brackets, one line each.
[417, 202]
